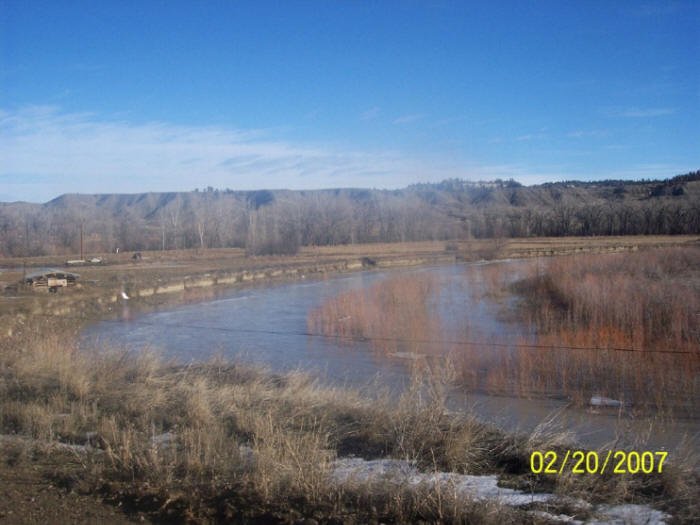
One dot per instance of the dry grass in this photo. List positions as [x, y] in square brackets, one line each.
[622, 326]
[396, 315]
[646, 301]
[193, 434]
[214, 440]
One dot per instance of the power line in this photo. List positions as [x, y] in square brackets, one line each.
[361, 339]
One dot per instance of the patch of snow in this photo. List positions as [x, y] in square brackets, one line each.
[407, 355]
[77, 449]
[361, 470]
[401, 472]
[600, 401]
[404, 472]
[165, 440]
[561, 518]
[629, 513]
[247, 455]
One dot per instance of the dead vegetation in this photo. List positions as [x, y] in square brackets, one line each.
[218, 442]
[396, 314]
[620, 326]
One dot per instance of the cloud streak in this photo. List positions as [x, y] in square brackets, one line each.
[530, 136]
[45, 152]
[408, 119]
[582, 134]
[370, 114]
[82, 152]
[643, 112]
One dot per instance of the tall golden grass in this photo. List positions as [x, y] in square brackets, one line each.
[622, 326]
[395, 315]
[625, 326]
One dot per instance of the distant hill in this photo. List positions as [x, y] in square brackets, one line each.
[278, 221]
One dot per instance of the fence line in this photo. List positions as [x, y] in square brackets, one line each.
[306, 333]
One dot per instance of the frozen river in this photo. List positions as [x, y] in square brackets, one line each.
[267, 325]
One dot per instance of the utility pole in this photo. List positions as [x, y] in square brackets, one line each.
[81, 241]
[26, 251]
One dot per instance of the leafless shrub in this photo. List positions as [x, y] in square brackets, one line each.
[623, 326]
[395, 315]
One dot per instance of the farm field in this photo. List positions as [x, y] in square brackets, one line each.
[174, 265]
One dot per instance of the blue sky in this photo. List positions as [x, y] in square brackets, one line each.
[159, 96]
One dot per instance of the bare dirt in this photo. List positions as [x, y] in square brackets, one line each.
[40, 488]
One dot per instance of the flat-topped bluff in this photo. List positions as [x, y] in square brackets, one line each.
[280, 221]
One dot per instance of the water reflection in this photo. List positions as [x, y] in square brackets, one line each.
[267, 325]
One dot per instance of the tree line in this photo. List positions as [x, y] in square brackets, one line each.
[280, 221]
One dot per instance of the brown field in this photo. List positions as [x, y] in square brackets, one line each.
[199, 273]
[178, 263]
[167, 277]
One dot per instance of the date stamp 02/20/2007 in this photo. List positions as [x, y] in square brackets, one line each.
[591, 462]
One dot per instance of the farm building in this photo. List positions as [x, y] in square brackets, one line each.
[51, 279]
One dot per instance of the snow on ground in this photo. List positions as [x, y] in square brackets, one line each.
[625, 514]
[401, 472]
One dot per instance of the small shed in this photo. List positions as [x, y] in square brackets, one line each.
[51, 279]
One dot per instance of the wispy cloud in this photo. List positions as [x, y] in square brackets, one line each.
[83, 152]
[408, 119]
[644, 171]
[312, 115]
[654, 9]
[524, 174]
[45, 152]
[448, 121]
[370, 114]
[530, 136]
[582, 133]
[642, 112]
[84, 67]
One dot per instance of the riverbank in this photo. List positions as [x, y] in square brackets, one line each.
[159, 279]
[155, 279]
[220, 442]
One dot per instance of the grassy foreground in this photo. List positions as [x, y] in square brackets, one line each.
[219, 442]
